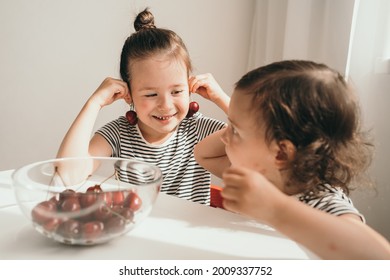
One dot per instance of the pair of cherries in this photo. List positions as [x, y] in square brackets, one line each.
[131, 116]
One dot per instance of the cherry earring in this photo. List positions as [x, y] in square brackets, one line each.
[131, 115]
[193, 108]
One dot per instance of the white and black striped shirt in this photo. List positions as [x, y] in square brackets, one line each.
[331, 200]
[182, 175]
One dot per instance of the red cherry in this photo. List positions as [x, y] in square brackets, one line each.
[67, 193]
[131, 117]
[127, 214]
[194, 106]
[103, 213]
[70, 229]
[107, 198]
[55, 200]
[87, 199]
[95, 189]
[192, 109]
[115, 224]
[43, 212]
[70, 204]
[117, 198]
[92, 230]
[92, 195]
[132, 201]
[52, 224]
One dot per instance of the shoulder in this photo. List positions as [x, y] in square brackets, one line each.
[201, 122]
[118, 129]
[200, 126]
[120, 123]
[331, 200]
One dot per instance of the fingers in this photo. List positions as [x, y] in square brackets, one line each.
[118, 87]
[111, 90]
[233, 175]
[230, 205]
[233, 179]
[199, 81]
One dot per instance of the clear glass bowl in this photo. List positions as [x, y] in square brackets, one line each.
[86, 201]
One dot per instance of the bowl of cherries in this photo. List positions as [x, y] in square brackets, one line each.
[86, 201]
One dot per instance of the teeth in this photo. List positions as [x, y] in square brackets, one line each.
[163, 118]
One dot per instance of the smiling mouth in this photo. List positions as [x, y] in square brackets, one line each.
[164, 118]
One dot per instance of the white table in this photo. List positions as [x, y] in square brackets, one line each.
[176, 229]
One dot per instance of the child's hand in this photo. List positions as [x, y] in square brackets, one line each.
[248, 192]
[206, 86]
[109, 91]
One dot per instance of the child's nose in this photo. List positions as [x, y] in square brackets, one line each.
[224, 136]
[165, 101]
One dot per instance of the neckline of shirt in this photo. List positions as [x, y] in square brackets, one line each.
[165, 143]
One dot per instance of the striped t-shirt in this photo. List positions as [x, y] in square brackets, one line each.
[182, 175]
[331, 200]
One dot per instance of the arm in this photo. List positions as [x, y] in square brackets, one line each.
[77, 141]
[210, 153]
[206, 86]
[330, 237]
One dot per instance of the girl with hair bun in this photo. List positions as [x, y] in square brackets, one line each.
[162, 125]
[289, 155]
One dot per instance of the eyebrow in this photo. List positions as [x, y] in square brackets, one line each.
[155, 88]
[233, 123]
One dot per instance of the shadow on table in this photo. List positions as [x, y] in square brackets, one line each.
[206, 216]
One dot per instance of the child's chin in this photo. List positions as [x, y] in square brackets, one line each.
[167, 127]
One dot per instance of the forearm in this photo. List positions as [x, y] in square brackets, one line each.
[210, 154]
[223, 103]
[206, 86]
[328, 236]
[76, 140]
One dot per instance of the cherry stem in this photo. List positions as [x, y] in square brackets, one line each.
[89, 176]
[108, 178]
[54, 174]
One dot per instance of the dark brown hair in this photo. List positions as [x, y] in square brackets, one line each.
[148, 40]
[312, 106]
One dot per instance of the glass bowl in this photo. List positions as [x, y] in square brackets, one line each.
[86, 201]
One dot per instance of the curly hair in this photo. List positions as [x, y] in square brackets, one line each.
[312, 106]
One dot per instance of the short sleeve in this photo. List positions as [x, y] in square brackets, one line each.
[331, 200]
[206, 126]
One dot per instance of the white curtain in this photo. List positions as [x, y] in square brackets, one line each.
[318, 30]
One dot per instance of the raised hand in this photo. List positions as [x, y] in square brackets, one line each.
[250, 193]
[109, 91]
[206, 86]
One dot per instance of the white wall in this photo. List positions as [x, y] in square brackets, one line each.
[371, 43]
[54, 54]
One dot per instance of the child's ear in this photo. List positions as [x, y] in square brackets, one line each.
[285, 153]
[128, 98]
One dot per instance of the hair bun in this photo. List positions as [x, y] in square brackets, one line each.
[144, 20]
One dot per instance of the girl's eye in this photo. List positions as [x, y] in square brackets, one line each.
[232, 130]
[177, 91]
[151, 94]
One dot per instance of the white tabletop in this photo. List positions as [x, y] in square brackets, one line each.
[176, 229]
